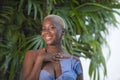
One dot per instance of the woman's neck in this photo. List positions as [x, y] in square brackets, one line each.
[54, 49]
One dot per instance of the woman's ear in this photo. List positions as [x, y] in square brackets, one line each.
[63, 31]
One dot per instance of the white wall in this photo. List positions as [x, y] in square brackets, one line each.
[113, 63]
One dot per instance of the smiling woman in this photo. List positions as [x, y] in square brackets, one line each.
[52, 29]
[49, 63]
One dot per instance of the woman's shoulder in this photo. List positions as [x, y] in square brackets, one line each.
[77, 66]
[76, 58]
[31, 54]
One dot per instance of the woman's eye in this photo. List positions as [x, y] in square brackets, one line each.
[52, 27]
[43, 29]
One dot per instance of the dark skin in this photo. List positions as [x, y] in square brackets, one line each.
[47, 58]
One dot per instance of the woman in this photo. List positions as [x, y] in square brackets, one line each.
[51, 62]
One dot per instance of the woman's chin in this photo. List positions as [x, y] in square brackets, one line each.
[49, 43]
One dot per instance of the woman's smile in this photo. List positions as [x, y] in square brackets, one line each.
[48, 38]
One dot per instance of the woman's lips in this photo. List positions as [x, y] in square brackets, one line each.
[48, 38]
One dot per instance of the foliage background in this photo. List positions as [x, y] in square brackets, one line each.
[86, 29]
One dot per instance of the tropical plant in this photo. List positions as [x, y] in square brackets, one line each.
[86, 29]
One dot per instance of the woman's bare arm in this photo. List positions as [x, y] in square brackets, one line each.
[31, 66]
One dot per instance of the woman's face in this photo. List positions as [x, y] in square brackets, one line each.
[51, 32]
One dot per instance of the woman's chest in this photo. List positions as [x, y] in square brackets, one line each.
[59, 71]
[54, 68]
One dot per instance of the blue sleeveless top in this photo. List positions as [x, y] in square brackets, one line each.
[70, 69]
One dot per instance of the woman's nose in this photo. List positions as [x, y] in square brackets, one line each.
[46, 31]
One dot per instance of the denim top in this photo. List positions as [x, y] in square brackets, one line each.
[70, 69]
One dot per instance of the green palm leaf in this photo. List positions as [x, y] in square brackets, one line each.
[86, 30]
